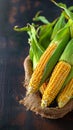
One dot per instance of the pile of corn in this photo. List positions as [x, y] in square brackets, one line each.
[51, 52]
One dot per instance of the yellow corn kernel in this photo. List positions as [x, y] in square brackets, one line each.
[43, 87]
[38, 72]
[56, 81]
[66, 94]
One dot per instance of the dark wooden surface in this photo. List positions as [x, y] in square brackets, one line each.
[13, 50]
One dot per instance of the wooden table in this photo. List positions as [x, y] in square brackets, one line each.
[13, 50]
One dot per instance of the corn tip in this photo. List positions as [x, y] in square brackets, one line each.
[60, 104]
[43, 104]
[29, 90]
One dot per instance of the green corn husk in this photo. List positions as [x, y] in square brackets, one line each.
[38, 41]
[38, 17]
[61, 39]
[45, 32]
[68, 53]
[60, 24]
[31, 53]
[36, 50]
[67, 11]
[30, 29]
[64, 7]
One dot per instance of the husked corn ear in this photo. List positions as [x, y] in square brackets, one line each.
[66, 94]
[37, 74]
[56, 81]
[43, 87]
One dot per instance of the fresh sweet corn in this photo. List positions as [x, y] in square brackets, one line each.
[60, 38]
[67, 90]
[50, 56]
[57, 79]
[66, 94]
[37, 74]
[59, 75]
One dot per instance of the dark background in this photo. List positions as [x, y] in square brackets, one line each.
[13, 50]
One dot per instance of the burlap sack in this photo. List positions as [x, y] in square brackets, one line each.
[33, 101]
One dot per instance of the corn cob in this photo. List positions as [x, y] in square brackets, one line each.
[37, 74]
[57, 79]
[59, 75]
[43, 87]
[69, 54]
[67, 90]
[55, 56]
[66, 94]
[70, 76]
[51, 55]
